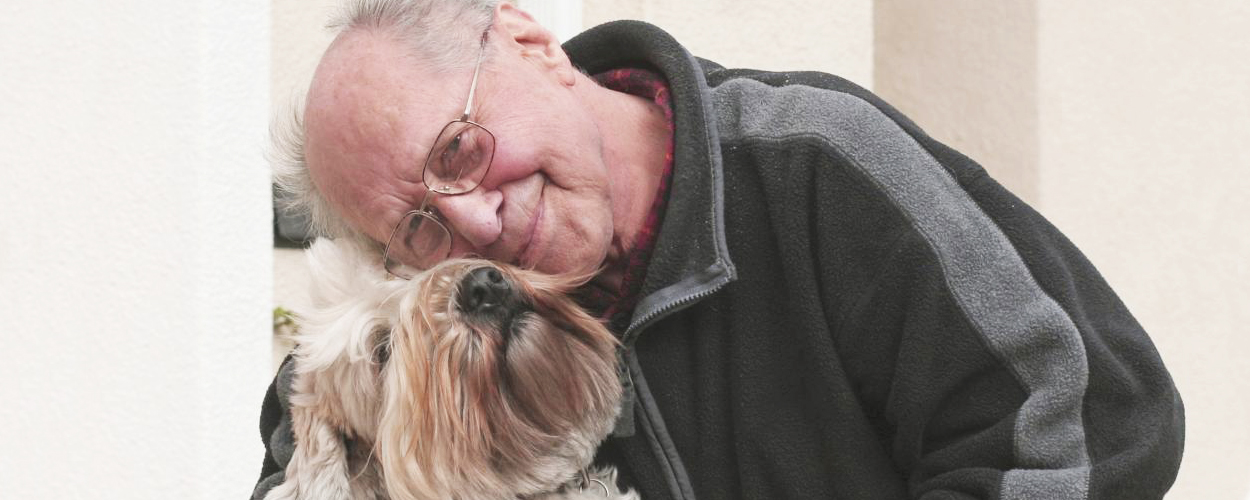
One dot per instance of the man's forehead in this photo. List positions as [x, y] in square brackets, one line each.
[373, 66]
[363, 76]
[370, 98]
[366, 117]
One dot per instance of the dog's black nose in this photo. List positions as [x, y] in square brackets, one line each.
[482, 289]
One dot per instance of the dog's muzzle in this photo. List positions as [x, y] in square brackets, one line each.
[486, 292]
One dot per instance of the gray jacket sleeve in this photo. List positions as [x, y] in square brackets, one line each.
[275, 431]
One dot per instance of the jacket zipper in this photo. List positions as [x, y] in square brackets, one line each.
[675, 468]
[660, 312]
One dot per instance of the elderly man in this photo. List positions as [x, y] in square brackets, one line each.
[814, 298]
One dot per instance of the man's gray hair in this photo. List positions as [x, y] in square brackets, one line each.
[441, 35]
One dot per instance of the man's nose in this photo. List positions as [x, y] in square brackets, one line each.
[473, 216]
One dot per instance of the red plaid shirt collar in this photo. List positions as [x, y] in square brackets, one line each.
[633, 267]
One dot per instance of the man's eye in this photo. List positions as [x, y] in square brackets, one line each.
[451, 154]
[414, 223]
[453, 146]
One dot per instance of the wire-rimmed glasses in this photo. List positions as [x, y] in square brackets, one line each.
[456, 164]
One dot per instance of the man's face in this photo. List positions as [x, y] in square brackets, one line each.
[373, 113]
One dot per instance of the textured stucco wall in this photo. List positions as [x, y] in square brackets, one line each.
[1128, 125]
[134, 248]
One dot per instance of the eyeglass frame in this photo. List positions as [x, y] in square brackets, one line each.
[422, 211]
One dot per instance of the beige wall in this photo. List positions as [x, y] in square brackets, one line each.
[966, 71]
[1144, 114]
[826, 35]
[1126, 123]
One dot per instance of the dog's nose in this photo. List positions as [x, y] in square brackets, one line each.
[482, 289]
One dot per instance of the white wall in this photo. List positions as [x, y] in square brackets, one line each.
[134, 248]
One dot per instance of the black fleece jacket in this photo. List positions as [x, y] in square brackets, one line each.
[838, 306]
[841, 307]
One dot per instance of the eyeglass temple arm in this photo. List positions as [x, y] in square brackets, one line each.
[468, 106]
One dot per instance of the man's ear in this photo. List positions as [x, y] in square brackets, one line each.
[536, 44]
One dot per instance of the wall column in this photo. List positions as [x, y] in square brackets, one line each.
[135, 249]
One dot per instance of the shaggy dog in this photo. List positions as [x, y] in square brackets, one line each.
[474, 380]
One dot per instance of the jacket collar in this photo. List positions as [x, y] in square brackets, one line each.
[691, 259]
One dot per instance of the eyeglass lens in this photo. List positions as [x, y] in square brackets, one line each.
[460, 158]
[421, 239]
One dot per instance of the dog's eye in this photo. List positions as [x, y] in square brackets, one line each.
[382, 347]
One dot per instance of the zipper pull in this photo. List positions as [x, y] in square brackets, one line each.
[624, 426]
